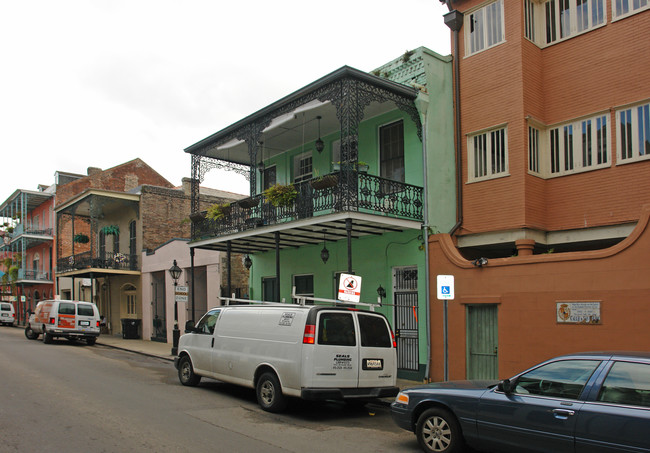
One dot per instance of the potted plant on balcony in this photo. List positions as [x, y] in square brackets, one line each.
[249, 202]
[111, 229]
[281, 195]
[360, 166]
[218, 211]
[81, 238]
[323, 182]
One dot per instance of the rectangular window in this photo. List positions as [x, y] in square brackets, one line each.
[633, 132]
[488, 155]
[130, 304]
[484, 28]
[268, 177]
[304, 285]
[533, 149]
[336, 329]
[302, 167]
[529, 19]
[624, 8]
[578, 146]
[566, 18]
[391, 151]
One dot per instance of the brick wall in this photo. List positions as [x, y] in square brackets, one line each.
[516, 80]
[121, 178]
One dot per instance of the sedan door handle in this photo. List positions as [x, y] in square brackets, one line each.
[563, 413]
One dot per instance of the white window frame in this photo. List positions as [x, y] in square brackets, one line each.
[298, 174]
[480, 154]
[489, 21]
[639, 124]
[536, 18]
[534, 141]
[633, 7]
[574, 146]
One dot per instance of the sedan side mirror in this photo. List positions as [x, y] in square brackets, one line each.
[189, 327]
[506, 386]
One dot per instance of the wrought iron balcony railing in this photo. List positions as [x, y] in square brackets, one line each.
[336, 192]
[34, 275]
[106, 260]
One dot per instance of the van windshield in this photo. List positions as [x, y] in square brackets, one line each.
[336, 329]
[85, 310]
[374, 332]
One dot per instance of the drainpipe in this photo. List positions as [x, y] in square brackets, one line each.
[454, 20]
[422, 104]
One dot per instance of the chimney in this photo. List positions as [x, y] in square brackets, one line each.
[93, 171]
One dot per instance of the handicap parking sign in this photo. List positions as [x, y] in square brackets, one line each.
[445, 287]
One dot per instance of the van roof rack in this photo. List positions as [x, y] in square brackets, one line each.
[302, 300]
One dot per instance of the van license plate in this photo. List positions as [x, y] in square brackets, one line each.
[84, 323]
[373, 364]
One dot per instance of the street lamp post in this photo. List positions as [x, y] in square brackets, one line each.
[175, 272]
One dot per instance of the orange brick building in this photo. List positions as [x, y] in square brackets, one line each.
[553, 143]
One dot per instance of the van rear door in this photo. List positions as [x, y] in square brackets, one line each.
[377, 355]
[336, 353]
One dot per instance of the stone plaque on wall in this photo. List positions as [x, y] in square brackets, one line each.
[578, 312]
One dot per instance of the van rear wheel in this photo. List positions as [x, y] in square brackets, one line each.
[186, 372]
[269, 393]
[47, 337]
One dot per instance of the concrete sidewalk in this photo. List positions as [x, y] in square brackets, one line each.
[148, 348]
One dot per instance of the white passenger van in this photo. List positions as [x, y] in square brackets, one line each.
[7, 314]
[310, 352]
[64, 318]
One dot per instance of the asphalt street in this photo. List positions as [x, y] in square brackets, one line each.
[73, 397]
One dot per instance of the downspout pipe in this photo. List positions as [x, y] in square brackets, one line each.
[454, 20]
[422, 104]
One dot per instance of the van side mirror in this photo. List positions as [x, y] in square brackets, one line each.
[189, 326]
[505, 386]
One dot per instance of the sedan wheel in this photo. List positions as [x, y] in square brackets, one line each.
[438, 431]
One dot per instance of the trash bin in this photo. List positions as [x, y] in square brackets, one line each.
[130, 329]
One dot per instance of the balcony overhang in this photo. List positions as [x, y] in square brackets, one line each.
[90, 202]
[281, 124]
[96, 273]
[305, 232]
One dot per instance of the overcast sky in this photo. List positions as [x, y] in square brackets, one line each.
[96, 83]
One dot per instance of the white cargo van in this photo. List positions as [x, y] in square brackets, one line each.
[310, 352]
[7, 314]
[64, 318]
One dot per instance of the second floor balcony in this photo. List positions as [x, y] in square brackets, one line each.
[101, 261]
[333, 193]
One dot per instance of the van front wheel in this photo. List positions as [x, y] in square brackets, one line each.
[269, 393]
[186, 372]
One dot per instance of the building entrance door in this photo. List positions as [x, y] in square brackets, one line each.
[159, 319]
[482, 342]
[405, 296]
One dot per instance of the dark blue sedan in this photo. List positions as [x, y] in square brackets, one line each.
[586, 403]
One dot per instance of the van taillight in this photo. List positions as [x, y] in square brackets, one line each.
[52, 320]
[98, 323]
[310, 334]
[393, 337]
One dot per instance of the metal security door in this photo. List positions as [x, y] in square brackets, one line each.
[482, 342]
[405, 284]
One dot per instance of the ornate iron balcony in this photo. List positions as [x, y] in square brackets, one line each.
[345, 191]
[106, 260]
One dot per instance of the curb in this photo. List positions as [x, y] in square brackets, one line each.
[169, 359]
